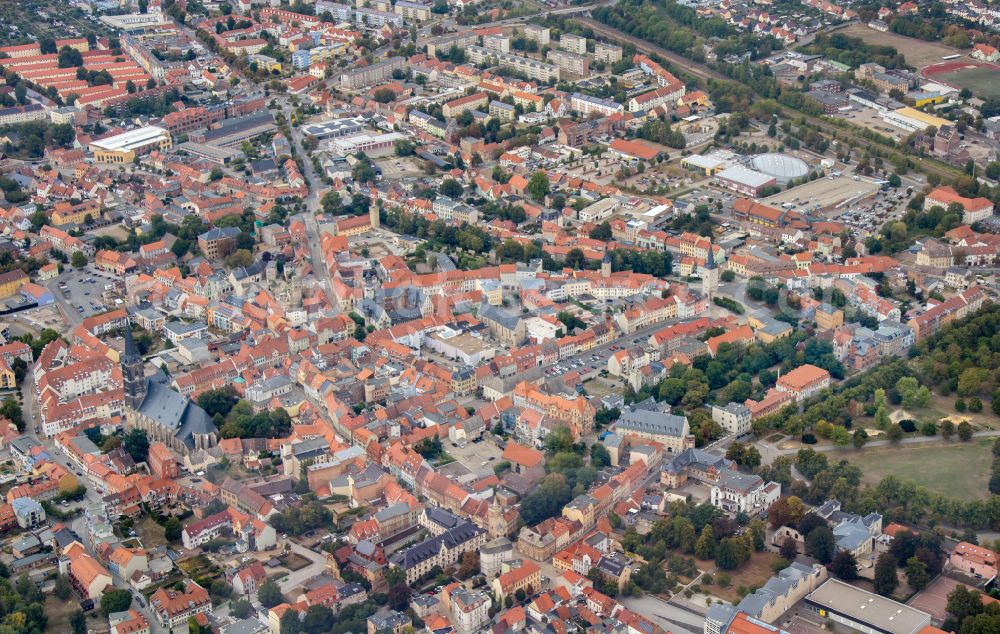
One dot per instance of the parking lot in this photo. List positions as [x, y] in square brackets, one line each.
[83, 288]
[824, 193]
[474, 455]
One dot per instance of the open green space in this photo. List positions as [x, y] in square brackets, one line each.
[981, 80]
[956, 469]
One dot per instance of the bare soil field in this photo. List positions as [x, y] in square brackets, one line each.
[918, 53]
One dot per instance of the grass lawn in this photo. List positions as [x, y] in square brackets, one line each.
[753, 574]
[956, 469]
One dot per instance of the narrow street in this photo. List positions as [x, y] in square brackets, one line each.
[320, 268]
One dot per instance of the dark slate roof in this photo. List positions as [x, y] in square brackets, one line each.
[652, 422]
[423, 551]
[178, 413]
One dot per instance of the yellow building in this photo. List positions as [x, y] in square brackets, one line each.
[7, 379]
[705, 164]
[11, 282]
[125, 147]
[829, 317]
[922, 99]
[528, 578]
[75, 214]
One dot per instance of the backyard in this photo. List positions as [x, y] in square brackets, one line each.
[957, 469]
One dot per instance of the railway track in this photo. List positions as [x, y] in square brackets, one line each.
[698, 70]
[927, 165]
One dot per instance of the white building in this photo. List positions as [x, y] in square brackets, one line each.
[737, 492]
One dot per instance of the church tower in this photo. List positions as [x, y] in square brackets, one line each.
[373, 217]
[132, 373]
[710, 274]
[606, 265]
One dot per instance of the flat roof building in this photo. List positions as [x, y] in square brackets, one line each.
[864, 611]
[124, 147]
[743, 180]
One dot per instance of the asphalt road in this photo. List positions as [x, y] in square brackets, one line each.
[769, 452]
[295, 579]
[320, 269]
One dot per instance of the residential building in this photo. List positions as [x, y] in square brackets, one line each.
[173, 608]
[736, 493]
[974, 561]
[441, 550]
[804, 381]
[733, 417]
[527, 576]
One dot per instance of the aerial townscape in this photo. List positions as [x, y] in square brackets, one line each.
[499, 317]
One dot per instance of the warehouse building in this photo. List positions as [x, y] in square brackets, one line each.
[745, 181]
[913, 120]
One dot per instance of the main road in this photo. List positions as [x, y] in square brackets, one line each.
[320, 269]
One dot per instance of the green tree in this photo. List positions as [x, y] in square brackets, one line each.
[882, 418]
[820, 544]
[269, 594]
[172, 529]
[395, 576]
[599, 456]
[730, 554]
[917, 576]
[859, 438]
[964, 431]
[885, 575]
[240, 608]
[704, 548]
[895, 433]
[115, 601]
[78, 622]
[79, 260]
[63, 590]
[844, 566]
[538, 185]
[451, 188]
[947, 429]
[70, 57]
[136, 443]
[11, 409]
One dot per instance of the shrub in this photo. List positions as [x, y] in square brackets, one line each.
[908, 425]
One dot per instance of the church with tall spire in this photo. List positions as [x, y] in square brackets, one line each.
[710, 274]
[163, 413]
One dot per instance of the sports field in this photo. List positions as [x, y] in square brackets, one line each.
[983, 81]
[957, 469]
[918, 53]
